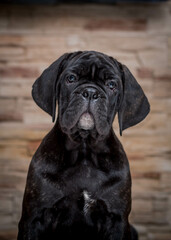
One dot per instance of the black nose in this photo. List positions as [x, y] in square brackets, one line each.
[90, 93]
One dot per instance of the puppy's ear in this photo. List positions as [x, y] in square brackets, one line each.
[134, 105]
[45, 88]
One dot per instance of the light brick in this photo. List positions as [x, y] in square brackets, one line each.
[6, 220]
[159, 236]
[116, 24]
[169, 43]
[18, 71]
[162, 89]
[8, 52]
[156, 59]
[30, 133]
[5, 205]
[166, 181]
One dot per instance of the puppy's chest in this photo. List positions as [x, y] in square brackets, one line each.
[81, 184]
[84, 176]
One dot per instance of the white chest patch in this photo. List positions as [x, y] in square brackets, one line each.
[88, 202]
[86, 121]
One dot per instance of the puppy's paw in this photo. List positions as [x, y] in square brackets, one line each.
[95, 210]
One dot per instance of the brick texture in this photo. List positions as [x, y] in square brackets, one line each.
[31, 37]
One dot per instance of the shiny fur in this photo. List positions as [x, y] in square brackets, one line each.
[79, 183]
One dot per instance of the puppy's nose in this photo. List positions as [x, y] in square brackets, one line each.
[90, 93]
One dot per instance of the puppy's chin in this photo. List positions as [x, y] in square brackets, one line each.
[78, 134]
[86, 121]
[86, 126]
[83, 126]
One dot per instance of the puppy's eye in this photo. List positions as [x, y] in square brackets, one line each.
[112, 85]
[71, 78]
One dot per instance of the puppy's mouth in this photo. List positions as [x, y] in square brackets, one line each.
[86, 121]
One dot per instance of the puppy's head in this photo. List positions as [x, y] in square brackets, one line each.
[90, 88]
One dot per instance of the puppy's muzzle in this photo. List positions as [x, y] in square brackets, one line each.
[89, 95]
[87, 103]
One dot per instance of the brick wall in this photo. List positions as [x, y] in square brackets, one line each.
[31, 38]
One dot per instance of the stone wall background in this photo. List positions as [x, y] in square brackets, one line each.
[31, 37]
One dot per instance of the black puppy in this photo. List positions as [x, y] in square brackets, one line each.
[79, 183]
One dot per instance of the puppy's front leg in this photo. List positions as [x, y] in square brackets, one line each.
[109, 225]
[35, 228]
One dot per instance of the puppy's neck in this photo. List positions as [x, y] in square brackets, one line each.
[84, 143]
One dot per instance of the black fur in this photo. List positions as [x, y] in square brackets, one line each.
[79, 183]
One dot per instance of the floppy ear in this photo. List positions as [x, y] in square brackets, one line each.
[134, 105]
[45, 88]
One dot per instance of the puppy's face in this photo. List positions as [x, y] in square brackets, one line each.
[90, 87]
